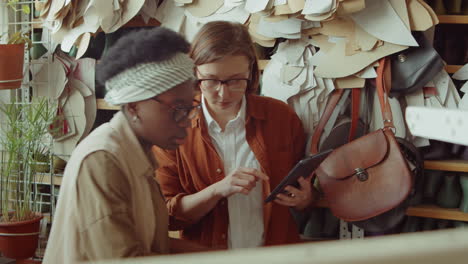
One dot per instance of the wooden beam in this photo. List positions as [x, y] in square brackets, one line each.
[433, 211]
[447, 165]
[452, 19]
[452, 68]
[103, 105]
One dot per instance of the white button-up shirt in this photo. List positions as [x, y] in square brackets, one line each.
[245, 211]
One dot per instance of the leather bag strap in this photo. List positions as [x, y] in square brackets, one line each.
[383, 83]
[332, 102]
[355, 103]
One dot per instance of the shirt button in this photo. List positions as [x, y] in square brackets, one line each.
[218, 170]
[223, 236]
[223, 202]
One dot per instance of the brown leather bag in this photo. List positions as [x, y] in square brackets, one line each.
[367, 176]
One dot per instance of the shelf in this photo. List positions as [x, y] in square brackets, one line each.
[452, 19]
[48, 179]
[433, 211]
[447, 165]
[103, 105]
[452, 68]
[430, 211]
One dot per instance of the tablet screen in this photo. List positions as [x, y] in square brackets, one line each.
[302, 169]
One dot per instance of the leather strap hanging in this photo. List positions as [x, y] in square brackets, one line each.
[355, 101]
[331, 105]
[332, 102]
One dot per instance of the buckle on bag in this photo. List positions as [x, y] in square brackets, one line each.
[401, 57]
[361, 174]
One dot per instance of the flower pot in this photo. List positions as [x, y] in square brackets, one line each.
[41, 163]
[18, 240]
[11, 65]
[59, 164]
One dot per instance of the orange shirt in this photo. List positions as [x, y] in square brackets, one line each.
[276, 136]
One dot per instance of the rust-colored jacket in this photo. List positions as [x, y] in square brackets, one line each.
[276, 137]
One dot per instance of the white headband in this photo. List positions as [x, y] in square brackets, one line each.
[148, 80]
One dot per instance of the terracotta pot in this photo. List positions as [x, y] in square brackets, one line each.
[11, 65]
[15, 242]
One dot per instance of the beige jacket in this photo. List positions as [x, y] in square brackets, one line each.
[110, 205]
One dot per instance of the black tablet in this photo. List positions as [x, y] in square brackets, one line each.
[302, 169]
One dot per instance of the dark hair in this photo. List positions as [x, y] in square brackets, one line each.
[141, 46]
[221, 38]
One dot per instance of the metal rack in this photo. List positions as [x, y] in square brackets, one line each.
[15, 20]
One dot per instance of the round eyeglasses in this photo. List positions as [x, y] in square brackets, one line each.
[234, 85]
[182, 112]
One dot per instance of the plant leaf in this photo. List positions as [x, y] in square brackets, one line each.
[26, 9]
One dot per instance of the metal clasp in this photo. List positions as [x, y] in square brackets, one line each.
[361, 174]
[401, 57]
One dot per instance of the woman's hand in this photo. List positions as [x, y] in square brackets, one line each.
[299, 198]
[241, 180]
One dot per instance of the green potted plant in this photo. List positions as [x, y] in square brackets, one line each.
[23, 134]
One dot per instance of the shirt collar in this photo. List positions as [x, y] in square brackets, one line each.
[251, 109]
[212, 124]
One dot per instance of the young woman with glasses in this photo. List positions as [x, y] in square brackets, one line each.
[238, 149]
[110, 206]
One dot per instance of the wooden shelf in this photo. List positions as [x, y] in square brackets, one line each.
[452, 19]
[430, 211]
[452, 68]
[103, 105]
[433, 211]
[447, 165]
[47, 179]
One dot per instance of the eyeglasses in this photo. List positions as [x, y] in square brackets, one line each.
[234, 85]
[182, 112]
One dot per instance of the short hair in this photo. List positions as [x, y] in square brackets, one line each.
[218, 39]
[141, 46]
